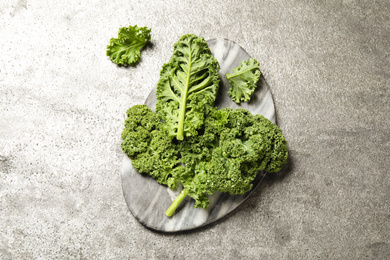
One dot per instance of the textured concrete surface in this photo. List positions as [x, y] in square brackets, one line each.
[62, 106]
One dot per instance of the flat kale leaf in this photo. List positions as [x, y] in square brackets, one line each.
[243, 80]
[188, 82]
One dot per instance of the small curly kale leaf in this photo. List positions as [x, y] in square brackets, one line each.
[243, 80]
[188, 82]
[126, 49]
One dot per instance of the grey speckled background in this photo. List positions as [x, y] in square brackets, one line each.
[62, 106]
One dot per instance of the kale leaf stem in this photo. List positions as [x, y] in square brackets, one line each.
[180, 130]
[176, 203]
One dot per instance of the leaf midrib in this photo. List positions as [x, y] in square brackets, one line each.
[248, 69]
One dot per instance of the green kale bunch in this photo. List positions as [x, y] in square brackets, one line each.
[225, 156]
[189, 141]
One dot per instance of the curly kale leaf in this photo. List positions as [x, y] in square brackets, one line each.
[243, 80]
[126, 49]
[150, 149]
[227, 156]
[188, 82]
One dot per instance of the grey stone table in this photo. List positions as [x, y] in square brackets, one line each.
[62, 107]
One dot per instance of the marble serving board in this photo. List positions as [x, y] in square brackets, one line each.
[148, 200]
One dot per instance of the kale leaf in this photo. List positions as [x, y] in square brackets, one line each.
[234, 146]
[243, 80]
[126, 49]
[151, 151]
[188, 82]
